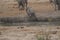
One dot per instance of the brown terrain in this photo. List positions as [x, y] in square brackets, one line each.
[29, 33]
[10, 8]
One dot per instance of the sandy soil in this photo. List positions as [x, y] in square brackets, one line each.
[10, 8]
[28, 33]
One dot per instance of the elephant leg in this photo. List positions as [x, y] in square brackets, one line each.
[23, 6]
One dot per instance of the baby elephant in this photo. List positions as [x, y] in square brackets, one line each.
[31, 14]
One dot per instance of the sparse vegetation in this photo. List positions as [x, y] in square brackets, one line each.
[44, 37]
[41, 38]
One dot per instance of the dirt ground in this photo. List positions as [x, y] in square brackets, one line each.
[29, 33]
[10, 8]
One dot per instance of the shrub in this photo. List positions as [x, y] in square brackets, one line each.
[40, 37]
